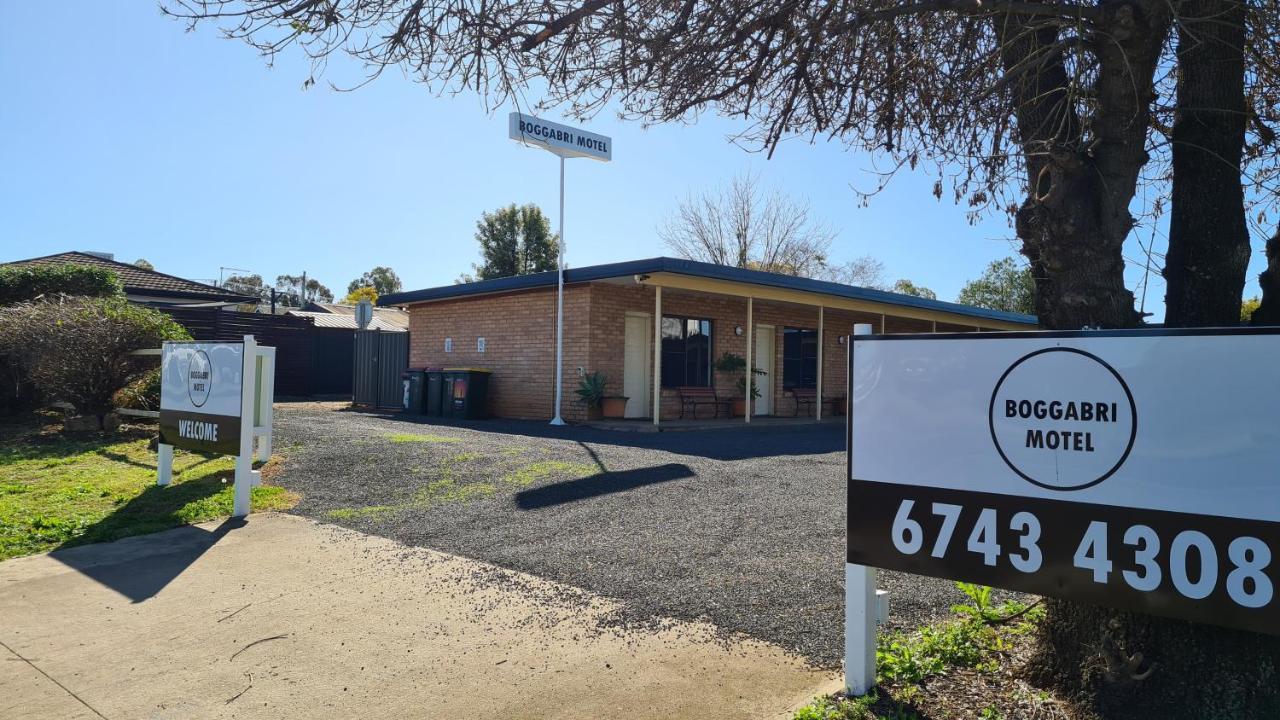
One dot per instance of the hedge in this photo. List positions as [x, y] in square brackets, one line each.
[23, 283]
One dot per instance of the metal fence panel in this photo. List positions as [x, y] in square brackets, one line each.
[379, 360]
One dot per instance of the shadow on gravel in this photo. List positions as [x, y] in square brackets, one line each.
[600, 484]
[715, 444]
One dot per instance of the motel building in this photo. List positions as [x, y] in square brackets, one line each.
[654, 328]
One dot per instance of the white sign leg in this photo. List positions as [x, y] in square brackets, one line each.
[244, 460]
[164, 465]
[859, 606]
[859, 628]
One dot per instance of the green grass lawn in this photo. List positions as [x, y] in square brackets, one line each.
[57, 491]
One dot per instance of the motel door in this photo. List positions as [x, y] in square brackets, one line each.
[637, 364]
[762, 357]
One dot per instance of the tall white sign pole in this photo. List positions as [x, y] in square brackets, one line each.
[566, 142]
[859, 601]
[557, 420]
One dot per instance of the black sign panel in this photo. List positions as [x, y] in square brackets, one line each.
[1209, 569]
[198, 431]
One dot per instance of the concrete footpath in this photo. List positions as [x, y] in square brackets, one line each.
[285, 617]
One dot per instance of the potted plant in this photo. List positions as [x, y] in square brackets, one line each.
[591, 392]
[731, 363]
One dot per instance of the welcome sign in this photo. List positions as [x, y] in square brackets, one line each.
[200, 396]
[1134, 469]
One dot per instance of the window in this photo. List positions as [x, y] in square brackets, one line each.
[799, 358]
[686, 352]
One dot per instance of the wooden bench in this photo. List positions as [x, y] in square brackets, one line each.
[803, 396]
[694, 396]
[809, 397]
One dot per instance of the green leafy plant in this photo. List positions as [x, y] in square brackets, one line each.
[79, 350]
[591, 389]
[829, 708]
[730, 363]
[28, 282]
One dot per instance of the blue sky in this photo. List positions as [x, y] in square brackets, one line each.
[120, 132]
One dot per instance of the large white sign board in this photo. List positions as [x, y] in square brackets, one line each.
[217, 398]
[200, 394]
[1138, 470]
[562, 140]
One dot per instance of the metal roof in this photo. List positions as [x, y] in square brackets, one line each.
[344, 322]
[694, 268]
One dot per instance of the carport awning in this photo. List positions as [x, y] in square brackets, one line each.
[721, 286]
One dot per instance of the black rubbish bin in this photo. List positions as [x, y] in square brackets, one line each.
[435, 392]
[466, 393]
[415, 382]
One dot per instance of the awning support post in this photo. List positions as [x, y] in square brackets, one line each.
[657, 354]
[751, 375]
[817, 407]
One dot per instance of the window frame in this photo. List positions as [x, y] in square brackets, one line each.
[683, 364]
[806, 336]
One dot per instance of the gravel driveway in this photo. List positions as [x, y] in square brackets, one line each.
[741, 528]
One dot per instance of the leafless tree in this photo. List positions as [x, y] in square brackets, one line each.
[865, 271]
[1044, 108]
[745, 225]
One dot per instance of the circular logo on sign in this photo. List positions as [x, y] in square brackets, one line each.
[1063, 419]
[199, 377]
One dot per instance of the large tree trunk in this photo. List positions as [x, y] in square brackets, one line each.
[1208, 236]
[1076, 217]
[1268, 313]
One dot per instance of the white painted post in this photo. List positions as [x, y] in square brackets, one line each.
[164, 464]
[751, 378]
[557, 420]
[859, 601]
[657, 353]
[244, 460]
[266, 404]
[817, 409]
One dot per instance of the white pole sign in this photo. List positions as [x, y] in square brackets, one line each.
[565, 142]
[562, 140]
[1132, 469]
[215, 397]
[200, 389]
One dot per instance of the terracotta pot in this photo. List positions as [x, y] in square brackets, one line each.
[739, 407]
[613, 407]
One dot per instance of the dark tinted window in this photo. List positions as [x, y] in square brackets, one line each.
[686, 352]
[799, 358]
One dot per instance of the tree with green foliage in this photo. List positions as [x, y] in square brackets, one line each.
[382, 279]
[19, 283]
[293, 293]
[514, 241]
[906, 287]
[361, 293]
[144, 264]
[78, 350]
[1005, 285]
[251, 285]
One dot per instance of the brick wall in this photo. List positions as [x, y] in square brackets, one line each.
[519, 329]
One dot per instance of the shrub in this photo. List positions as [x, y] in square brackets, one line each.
[142, 393]
[77, 350]
[23, 283]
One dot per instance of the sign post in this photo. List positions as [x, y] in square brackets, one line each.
[859, 595]
[564, 141]
[1135, 469]
[216, 398]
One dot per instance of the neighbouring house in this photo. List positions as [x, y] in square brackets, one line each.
[146, 287]
[385, 318]
[695, 312]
